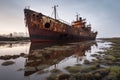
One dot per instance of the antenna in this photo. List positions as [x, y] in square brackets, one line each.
[28, 4]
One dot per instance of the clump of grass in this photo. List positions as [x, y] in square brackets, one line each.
[56, 71]
[6, 63]
[6, 57]
[52, 77]
[87, 76]
[73, 69]
[114, 73]
[90, 68]
[97, 76]
[86, 61]
[78, 64]
[64, 77]
[110, 57]
[112, 54]
[115, 69]
[117, 59]
[103, 71]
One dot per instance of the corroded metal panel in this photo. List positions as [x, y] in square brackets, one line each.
[37, 23]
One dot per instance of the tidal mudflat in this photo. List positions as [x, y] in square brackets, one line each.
[87, 60]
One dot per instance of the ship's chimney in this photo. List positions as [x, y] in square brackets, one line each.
[80, 18]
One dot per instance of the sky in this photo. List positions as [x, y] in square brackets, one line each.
[103, 15]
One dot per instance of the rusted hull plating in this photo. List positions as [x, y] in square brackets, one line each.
[44, 28]
[47, 35]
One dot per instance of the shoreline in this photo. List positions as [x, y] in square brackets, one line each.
[106, 66]
[10, 39]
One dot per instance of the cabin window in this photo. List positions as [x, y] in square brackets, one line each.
[33, 17]
[40, 15]
[25, 13]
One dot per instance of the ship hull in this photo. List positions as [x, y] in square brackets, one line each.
[41, 35]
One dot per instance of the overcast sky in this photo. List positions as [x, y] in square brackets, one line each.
[104, 15]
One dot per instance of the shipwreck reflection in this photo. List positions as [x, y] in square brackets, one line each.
[44, 55]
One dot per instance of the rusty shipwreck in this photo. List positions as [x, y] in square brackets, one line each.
[45, 28]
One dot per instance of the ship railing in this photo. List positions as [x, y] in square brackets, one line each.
[64, 22]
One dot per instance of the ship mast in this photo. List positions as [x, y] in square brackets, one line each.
[55, 11]
[77, 17]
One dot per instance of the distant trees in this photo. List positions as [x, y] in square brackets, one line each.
[15, 34]
[11, 35]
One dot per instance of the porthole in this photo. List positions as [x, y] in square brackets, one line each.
[47, 25]
[33, 14]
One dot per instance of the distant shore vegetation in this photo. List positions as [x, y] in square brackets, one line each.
[14, 36]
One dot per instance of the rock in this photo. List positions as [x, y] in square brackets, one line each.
[7, 63]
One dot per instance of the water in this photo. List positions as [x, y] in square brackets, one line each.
[41, 58]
